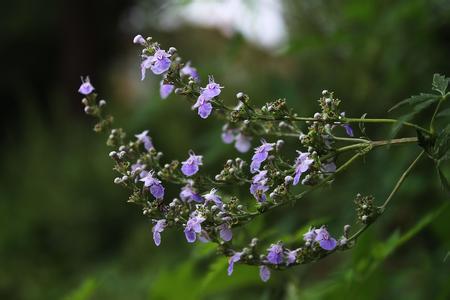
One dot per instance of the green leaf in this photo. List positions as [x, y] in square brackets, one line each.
[416, 100]
[444, 113]
[440, 83]
[442, 145]
[398, 125]
[444, 182]
[426, 141]
[84, 291]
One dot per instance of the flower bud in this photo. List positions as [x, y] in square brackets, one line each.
[324, 92]
[172, 50]
[117, 180]
[288, 179]
[102, 103]
[279, 145]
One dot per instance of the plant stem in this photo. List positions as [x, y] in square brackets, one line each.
[382, 208]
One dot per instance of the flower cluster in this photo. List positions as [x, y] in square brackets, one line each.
[204, 210]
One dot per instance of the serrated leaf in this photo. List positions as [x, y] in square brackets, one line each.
[441, 151]
[444, 182]
[416, 99]
[424, 104]
[426, 141]
[444, 113]
[440, 83]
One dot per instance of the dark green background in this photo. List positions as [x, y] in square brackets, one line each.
[65, 229]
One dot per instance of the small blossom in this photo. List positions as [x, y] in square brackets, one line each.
[187, 70]
[193, 227]
[347, 127]
[324, 239]
[212, 197]
[204, 106]
[329, 167]
[301, 165]
[225, 232]
[138, 39]
[191, 165]
[204, 237]
[158, 63]
[261, 154]
[227, 136]
[259, 187]
[310, 235]
[165, 89]
[264, 273]
[211, 90]
[145, 139]
[188, 194]
[86, 87]
[242, 143]
[291, 257]
[156, 188]
[275, 255]
[137, 167]
[232, 260]
[157, 229]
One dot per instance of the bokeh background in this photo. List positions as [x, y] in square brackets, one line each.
[66, 231]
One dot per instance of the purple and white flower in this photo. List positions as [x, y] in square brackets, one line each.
[188, 193]
[156, 188]
[261, 154]
[138, 39]
[211, 90]
[302, 164]
[86, 87]
[165, 89]
[264, 273]
[187, 70]
[158, 63]
[191, 165]
[225, 232]
[347, 127]
[242, 143]
[232, 260]
[259, 186]
[145, 139]
[204, 106]
[324, 239]
[275, 255]
[291, 257]
[193, 227]
[213, 197]
[157, 229]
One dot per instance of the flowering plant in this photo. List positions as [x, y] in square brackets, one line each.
[206, 213]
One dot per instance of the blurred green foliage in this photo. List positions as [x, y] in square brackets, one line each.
[67, 233]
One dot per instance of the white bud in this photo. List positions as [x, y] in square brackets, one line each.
[117, 180]
[288, 179]
[324, 92]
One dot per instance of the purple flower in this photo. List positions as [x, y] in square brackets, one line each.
[165, 89]
[193, 227]
[156, 188]
[329, 167]
[324, 239]
[348, 128]
[187, 70]
[275, 255]
[228, 136]
[261, 154]
[211, 90]
[259, 187]
[191, 165]
[310, 235]
[225, 232]
[145, 139]
[301, 165]
[242, 143]
[291, 257]
[188, 193]
[138, 39]
[204, 106]
[138, 167]
[264, 273]
[232, 260]
[157, 229]
[86, 87]
[158, 63]
[212, 197]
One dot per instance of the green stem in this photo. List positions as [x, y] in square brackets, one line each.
[438, 106]
[382, 208]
